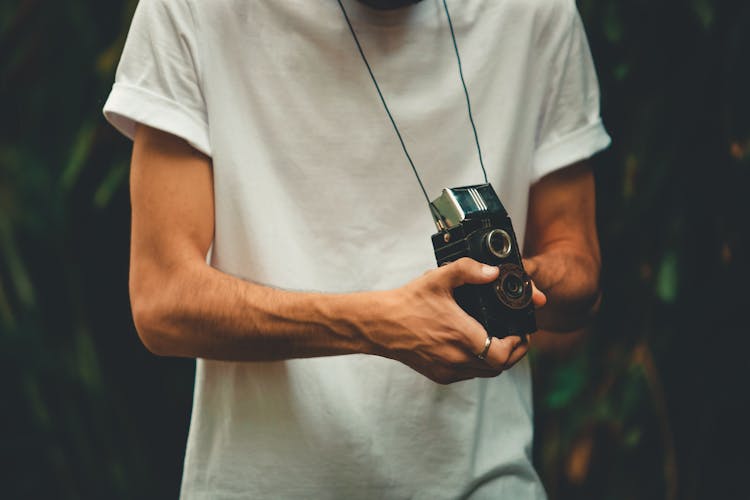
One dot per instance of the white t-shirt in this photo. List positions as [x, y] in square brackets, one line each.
[313, 192]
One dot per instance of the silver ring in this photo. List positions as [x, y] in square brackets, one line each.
[487, 343]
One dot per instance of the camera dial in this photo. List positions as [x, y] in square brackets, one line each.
[499, 243]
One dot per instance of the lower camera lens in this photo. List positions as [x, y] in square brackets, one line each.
[499, 243]
[513, 286]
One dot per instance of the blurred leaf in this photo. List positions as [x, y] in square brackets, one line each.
[739, 150]
[634, 391]
[667, 278]
[621, 71]
[704, 11]
[111, 183]
[579, 458]
[34, 397]
[9, 164]
[108, 59]
[19, 276]
[613, 27]
[568, 381]
[7, 319]
[86, 360]
[78, 156]
[631, 174]
[632, 438]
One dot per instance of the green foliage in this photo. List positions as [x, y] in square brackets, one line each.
[645, 409]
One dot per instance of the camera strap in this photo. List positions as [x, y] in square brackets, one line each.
[388, 111]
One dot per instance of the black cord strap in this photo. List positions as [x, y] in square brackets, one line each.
[466, 90]
[388, 111]
[382, 99]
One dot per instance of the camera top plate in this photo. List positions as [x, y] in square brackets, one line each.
[455, 205]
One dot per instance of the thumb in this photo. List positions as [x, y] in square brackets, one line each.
[468, 271]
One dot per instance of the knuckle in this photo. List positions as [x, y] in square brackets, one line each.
[507, 344]
[429, 283]
[433, 287]
[464, 264]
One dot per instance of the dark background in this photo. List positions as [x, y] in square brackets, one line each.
[653, 405]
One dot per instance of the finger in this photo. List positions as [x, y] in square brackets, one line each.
[537, 296]
[458, 374]
[467, 271]
[489, 373]
[470, 362]
[451, 374]
[517, 354]
[500, 351]
[483, 370]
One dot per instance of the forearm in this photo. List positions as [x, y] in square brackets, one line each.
[198, 311]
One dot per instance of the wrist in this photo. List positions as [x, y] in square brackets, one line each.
[355, 317]
[381, 320]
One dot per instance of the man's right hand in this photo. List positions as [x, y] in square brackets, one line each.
[423, 327]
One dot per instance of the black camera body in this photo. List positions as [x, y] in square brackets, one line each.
[472, 222]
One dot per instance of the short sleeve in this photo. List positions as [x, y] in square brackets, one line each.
[570, 128]
[158, 79]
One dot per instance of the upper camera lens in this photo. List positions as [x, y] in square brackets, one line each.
[499, 243]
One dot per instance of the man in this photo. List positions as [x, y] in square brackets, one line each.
[280, 237]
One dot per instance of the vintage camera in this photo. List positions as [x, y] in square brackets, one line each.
[472, 222]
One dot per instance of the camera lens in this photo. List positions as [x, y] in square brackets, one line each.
[499, 243]
[513, 286]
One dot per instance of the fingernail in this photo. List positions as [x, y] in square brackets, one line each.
[488, 270]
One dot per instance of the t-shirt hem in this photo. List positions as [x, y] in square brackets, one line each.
[129, 104]
[575, 146]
